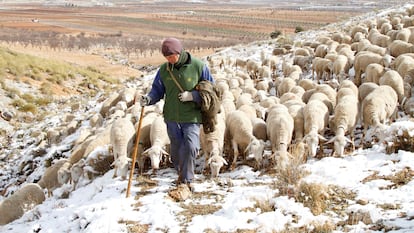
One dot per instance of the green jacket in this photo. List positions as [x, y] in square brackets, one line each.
[188, 71]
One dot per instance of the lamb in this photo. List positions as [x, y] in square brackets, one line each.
[393, 79]
[49, 179]
[159, 142]
[363, 59]
[239, 133]
[280, 126]
[23, 200]
[345, 119]
[377, 107]
[122, 141]
[316, 116]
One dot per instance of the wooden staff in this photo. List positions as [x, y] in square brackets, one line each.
[134, 156]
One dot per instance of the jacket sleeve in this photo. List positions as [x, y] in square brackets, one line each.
[157, 90]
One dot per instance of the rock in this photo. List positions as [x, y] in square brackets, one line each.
[6, 115]
[181, 193]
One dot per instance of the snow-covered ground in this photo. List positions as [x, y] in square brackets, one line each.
[236, 201]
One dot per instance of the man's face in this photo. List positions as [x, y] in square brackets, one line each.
[173, 58]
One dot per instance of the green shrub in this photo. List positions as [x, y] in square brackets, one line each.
[275, 34]
[299, 29]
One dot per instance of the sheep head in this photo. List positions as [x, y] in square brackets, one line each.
[155, 153]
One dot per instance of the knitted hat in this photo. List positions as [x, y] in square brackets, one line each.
[171, 46]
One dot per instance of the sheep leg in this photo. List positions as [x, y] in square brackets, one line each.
[235, 154]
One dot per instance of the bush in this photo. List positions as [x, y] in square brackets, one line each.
[275, 34]
[299, 29]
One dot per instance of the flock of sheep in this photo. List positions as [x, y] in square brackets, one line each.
[268, 105]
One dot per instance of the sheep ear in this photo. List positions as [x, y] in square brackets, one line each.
[348, 140]
[209, 161]
[224, 161]
[164, 152]
[330, 140]
[322, 138]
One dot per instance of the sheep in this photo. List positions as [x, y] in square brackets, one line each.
[259, 128]
[377, 107]
[295, 109]
[212, 143]
[285, 86]
[340, 65]
[23, 200]
[393, 79]
[159, 142]
[403, 34]
[405, 64]
[306, 84]
[76, 172]
[328, 91]
[398, 47]
[122, 140]
[216, 162]
[363, 59]
[304, 62]
[239, 133]
[64, 174]
[49, 179]
[315, 115]
[321, 50]
[280, 126]
[364, 89]
[345, 120]
[373, 72]
[322, 68]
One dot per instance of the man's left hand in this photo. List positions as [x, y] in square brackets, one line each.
[185, 96]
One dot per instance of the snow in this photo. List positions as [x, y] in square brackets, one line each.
[102, 205]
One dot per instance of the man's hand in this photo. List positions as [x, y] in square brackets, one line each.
[145, 100]
[185, 96]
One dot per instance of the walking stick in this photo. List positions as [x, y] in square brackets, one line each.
[134, 156]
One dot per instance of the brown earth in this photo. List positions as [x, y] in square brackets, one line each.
[206, 24]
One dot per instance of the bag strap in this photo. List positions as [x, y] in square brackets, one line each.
[175, 80]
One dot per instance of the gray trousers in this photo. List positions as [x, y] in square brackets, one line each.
[185, 145]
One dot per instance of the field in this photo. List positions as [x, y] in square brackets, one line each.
[137, 29]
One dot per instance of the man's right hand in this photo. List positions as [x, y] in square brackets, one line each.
[145, 100]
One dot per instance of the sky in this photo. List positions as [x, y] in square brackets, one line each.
[239, 196]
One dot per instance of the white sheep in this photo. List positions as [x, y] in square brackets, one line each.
[122, 140]
[315, 115]
[363, 59]
[213, 142]
[398, 47]
[295, 109]
[377, 107]
[322, 67]
[77, 172]
[364, 89]
[23, 200]
[239, 133]
[280, 126]
[340, 65]
[159, 142]
[373, 72]
[345, 120]
[49, 178]
[216, 162]
[393, 79]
